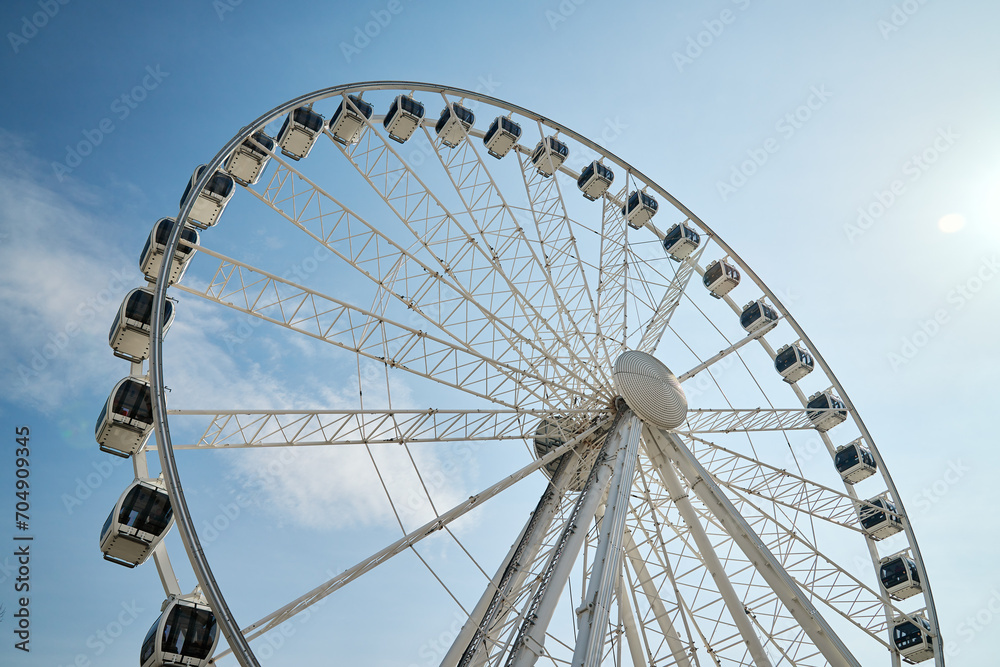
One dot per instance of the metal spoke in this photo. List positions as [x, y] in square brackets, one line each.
[302, 603]
[270, 428]
[756, 419]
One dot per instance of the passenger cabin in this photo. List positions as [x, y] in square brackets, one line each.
[184, 635]
[129, 335]
[720, 278]
[793, 363]
[639, 209]
[454, 122]
[899, 576]
[878, 517]
[758, 315]
[680, 241]
[826, 410]
[349, 119]
[912, 639]
[405, 114]
[211, 200]
[854, 462]
[595, 179]
[137, 523]
[299, 132]
[501, 136]
[156, 245]
[549, 155]
[127, 418]
[247, 162]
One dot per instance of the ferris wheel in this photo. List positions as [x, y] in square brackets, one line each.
[704, 491]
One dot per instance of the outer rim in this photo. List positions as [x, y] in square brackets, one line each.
[206, 579]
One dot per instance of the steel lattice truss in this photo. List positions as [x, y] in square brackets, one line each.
[498, 296]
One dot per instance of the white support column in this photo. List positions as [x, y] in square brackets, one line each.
[530, 641]
[669, 445]
[471, 647]
[628, 622]
[655, 602]
[736, 608]
[606, 571]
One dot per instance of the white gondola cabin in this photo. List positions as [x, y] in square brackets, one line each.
[720, 278]
[680, 241]
[211, 201]
[549, 155]
[349, 119]
[129, 335]
[127, 418]
[247, 162]
[156, 245]
[757, 315]
[912, 639]
[639, 209]
[793, 362]
[137, 523]
[899, 576]
[854, 461]
[826, 410]
[405, 114]
[185, 634]
[299, 132]
[595, 179]
[501, 136]
[879, 518]
[454, 122]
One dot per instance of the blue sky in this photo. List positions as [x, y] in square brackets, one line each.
[848, 152]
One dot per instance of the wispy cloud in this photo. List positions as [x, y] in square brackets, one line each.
[63, 279]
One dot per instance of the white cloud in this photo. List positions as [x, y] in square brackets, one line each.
[65, 274]
[64, 277]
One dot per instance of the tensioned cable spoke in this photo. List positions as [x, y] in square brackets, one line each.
[510, 250]
[454, 250]
[657, 326]
[577, 317]
[748, 475]
[300, 604]
[399, 274]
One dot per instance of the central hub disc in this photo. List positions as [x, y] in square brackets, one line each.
[650, 389]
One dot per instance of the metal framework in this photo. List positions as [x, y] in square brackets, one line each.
[503, 299]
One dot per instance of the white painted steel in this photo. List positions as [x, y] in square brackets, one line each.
[549, 356]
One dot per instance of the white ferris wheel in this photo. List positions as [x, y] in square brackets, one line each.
[707, 494]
